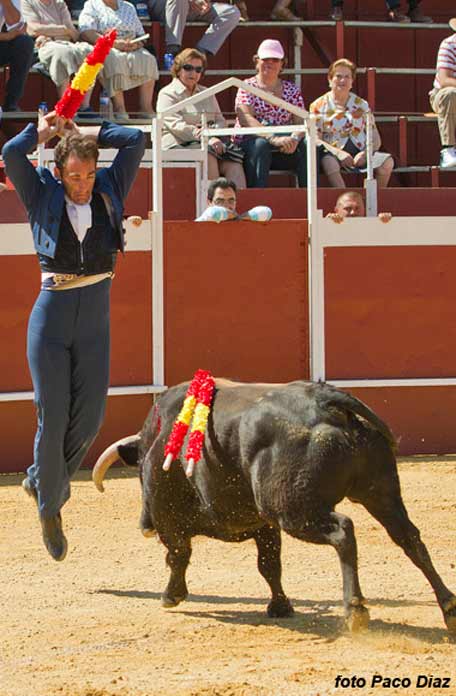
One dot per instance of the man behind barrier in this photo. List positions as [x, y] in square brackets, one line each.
[221, 196]
[349, 205]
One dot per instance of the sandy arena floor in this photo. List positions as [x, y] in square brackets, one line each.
[93, 625]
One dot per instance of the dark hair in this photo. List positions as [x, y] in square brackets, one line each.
[222, 183]
[184, 56]
[80, 145]
[342, 63]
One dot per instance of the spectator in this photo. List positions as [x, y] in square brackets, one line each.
[183, 129]
[443, 98]
[16, 51]
[221, 196]
[57, 41]
[242, 7]
[263, 153]
[282, 11]
[415, 13]
[221, 17]
[128, 64]
[341, 123]
[350, 204]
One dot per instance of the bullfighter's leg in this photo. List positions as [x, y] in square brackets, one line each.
[177, 558]
[269, 544]
[391, 513]
[90, 372]
[337, 530]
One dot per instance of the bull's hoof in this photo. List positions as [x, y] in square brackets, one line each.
[148, 532]
[168, 602]
[357, 619]
[450, 616]
[280, 609]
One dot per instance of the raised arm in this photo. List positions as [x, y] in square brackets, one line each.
[130, 143]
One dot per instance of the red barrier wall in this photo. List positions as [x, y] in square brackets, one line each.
[390, 312]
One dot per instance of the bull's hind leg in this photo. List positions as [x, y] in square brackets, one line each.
[337, 530]
[269, 544]
[391, 513]
[177, 558]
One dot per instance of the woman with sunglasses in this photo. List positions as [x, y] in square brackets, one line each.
[265, 152]
[183, 129]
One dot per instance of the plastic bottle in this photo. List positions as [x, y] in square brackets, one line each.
[42, 109]
[168, 60]
[105, 106]
[142, 10]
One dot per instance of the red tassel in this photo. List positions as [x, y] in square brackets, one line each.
[194, 445]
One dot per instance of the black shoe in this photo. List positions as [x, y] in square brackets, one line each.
[29, 489]
[416, 15]
[53, 537]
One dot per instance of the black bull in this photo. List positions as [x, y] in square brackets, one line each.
[275, 457]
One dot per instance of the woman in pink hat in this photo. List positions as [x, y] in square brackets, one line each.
[262, 152]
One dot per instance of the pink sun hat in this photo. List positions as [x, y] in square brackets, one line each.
[270, 48]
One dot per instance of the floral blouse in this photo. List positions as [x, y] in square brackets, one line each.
[337, 126]
[268, 114]
[98, 16]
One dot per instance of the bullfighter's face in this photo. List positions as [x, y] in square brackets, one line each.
[78, 178]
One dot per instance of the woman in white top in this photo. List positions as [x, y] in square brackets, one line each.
[57, 40]
[128, 64]
[342, 123]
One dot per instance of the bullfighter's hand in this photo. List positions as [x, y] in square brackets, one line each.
[385, 217]
[49, 126]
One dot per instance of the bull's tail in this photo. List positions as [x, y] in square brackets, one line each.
[328, 395]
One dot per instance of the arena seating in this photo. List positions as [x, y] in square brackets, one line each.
[396, 66]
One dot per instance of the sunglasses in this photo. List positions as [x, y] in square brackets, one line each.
[192, 68]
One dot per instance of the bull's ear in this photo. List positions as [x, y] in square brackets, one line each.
[129, 453]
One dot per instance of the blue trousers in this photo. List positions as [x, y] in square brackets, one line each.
[18, 54]
[260, 157]
[68, 353]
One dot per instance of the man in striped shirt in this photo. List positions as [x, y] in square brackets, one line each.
[443, 98]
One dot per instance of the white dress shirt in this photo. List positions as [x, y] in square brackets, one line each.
[80, 217]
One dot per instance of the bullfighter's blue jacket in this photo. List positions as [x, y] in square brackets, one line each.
[43, 195]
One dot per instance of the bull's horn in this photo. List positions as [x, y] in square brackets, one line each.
[108, 457]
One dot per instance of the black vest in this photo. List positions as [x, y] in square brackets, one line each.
[96, 254]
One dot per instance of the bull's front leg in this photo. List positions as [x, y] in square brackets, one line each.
[269, 545]
[177, 558]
